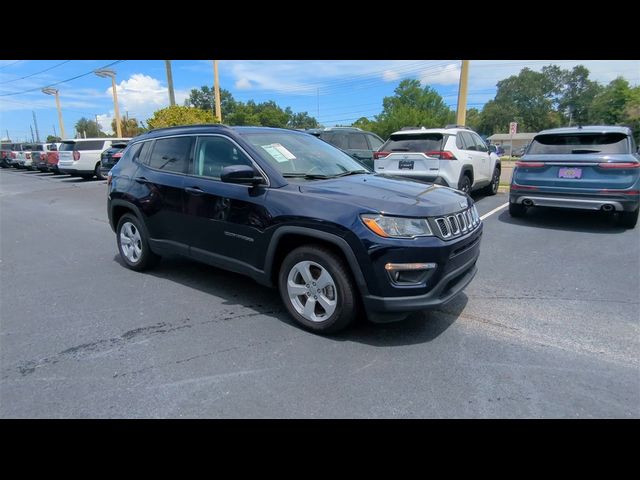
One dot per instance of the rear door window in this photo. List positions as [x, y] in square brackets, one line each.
[90, 145]
[171, 154]
[607, 143]
[339, 139]
[414, 143]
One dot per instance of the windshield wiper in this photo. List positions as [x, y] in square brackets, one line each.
[350, 172]
[311, 176]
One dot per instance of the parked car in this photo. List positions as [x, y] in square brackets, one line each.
[5, 154]
[23, 159]
[354, 141]
[52, 158]
[39, 154]
[588, 168]
[16, 148]
[518, 152]
[453, 156]
[80, 157]
[110, 157]
[292, 211]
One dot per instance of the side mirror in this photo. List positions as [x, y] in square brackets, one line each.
[241, 174]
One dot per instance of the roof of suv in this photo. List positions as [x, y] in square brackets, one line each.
[589, 129]
[432, 130]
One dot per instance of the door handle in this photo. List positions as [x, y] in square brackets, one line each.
[141, 180]
[194, 190]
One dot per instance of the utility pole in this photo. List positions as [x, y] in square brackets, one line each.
[35, 123]
[172, 97]
[53, 91]
[216, 90]
[318, 98]
[461, 116]
[32, 140]
[97, 124]
[108, 73]
[54, 131]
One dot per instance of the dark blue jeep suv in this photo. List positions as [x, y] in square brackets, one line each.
[292, 211]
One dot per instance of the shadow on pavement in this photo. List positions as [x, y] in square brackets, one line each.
[564, 219]
[237, 290]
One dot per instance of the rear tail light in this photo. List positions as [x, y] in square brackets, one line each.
[28, 156]
[116, 155]
[76, 155]
[377, 155]
[620, 165]
[530, 164]
[441, 154]
[621, 192]
[109, 178]
[13, 154]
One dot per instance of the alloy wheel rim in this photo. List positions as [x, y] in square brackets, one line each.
[131, 242]
[496, 180]
[312, 291]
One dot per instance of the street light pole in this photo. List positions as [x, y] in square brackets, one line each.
[461, 116]
[216, 90]
[107, 73]
[54, 91]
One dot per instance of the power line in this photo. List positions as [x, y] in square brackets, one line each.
[9, 64]
[37, 73]
[62, 81]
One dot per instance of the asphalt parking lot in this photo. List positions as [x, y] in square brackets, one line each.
[549, 328]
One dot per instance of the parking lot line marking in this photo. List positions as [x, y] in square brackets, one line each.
[493, 211]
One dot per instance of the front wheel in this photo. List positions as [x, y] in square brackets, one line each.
[133, 244]
[629, 219]
[492, 188]
[317, 289]
[464, 185]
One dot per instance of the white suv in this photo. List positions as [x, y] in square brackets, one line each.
[81, 156]
[453, 156]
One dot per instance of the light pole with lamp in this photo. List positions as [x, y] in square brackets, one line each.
[54, 91]
[108, 73]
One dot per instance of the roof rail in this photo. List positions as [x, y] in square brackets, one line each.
[189, 126]
[412, 128]
[457, 126]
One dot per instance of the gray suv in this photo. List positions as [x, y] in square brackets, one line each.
[354, 141]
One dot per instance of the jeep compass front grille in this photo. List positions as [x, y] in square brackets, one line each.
[458, 224]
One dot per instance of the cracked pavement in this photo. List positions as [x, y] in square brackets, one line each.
[549, 328]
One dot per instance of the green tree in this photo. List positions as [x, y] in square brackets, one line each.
[89, 128]
[577, 94]
[204, 97]
[302, 120]
[610, 105]
[176, 115]
[130, 127]
[412, 105]
[266, 114]
[53, 139]
[365, 124]
[473, 119]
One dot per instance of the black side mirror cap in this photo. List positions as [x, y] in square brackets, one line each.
[241, 174]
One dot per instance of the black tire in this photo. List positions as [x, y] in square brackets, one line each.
[464, 185]
[346, 308]
[629, 219]
[492, 188]
[517, 209]
[147, 258]
[98, 173]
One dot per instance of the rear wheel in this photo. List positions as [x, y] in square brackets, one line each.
[317, 289]
[97, 172]
[629, 219]
[517, 209]
[133, 244]
[464, 185]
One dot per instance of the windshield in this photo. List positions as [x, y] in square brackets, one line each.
[579, 143]
[295, 154]
[67, 146]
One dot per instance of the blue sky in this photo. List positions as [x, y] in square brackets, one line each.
[334, 91]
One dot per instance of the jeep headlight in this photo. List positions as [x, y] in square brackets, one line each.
[397, 227]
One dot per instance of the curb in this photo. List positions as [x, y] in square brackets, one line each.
[503, 189]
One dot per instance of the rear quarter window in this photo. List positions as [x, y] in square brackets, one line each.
[90, 145]
[607, 143]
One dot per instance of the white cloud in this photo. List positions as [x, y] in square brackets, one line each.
[243, 83]
[390, 76]
[447, 75]
[141, 95]
[104, 121]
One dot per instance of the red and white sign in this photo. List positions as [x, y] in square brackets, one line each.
[513, 128]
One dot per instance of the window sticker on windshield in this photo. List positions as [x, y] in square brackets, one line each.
[280, 153]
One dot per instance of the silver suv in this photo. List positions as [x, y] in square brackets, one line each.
[453, 156]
